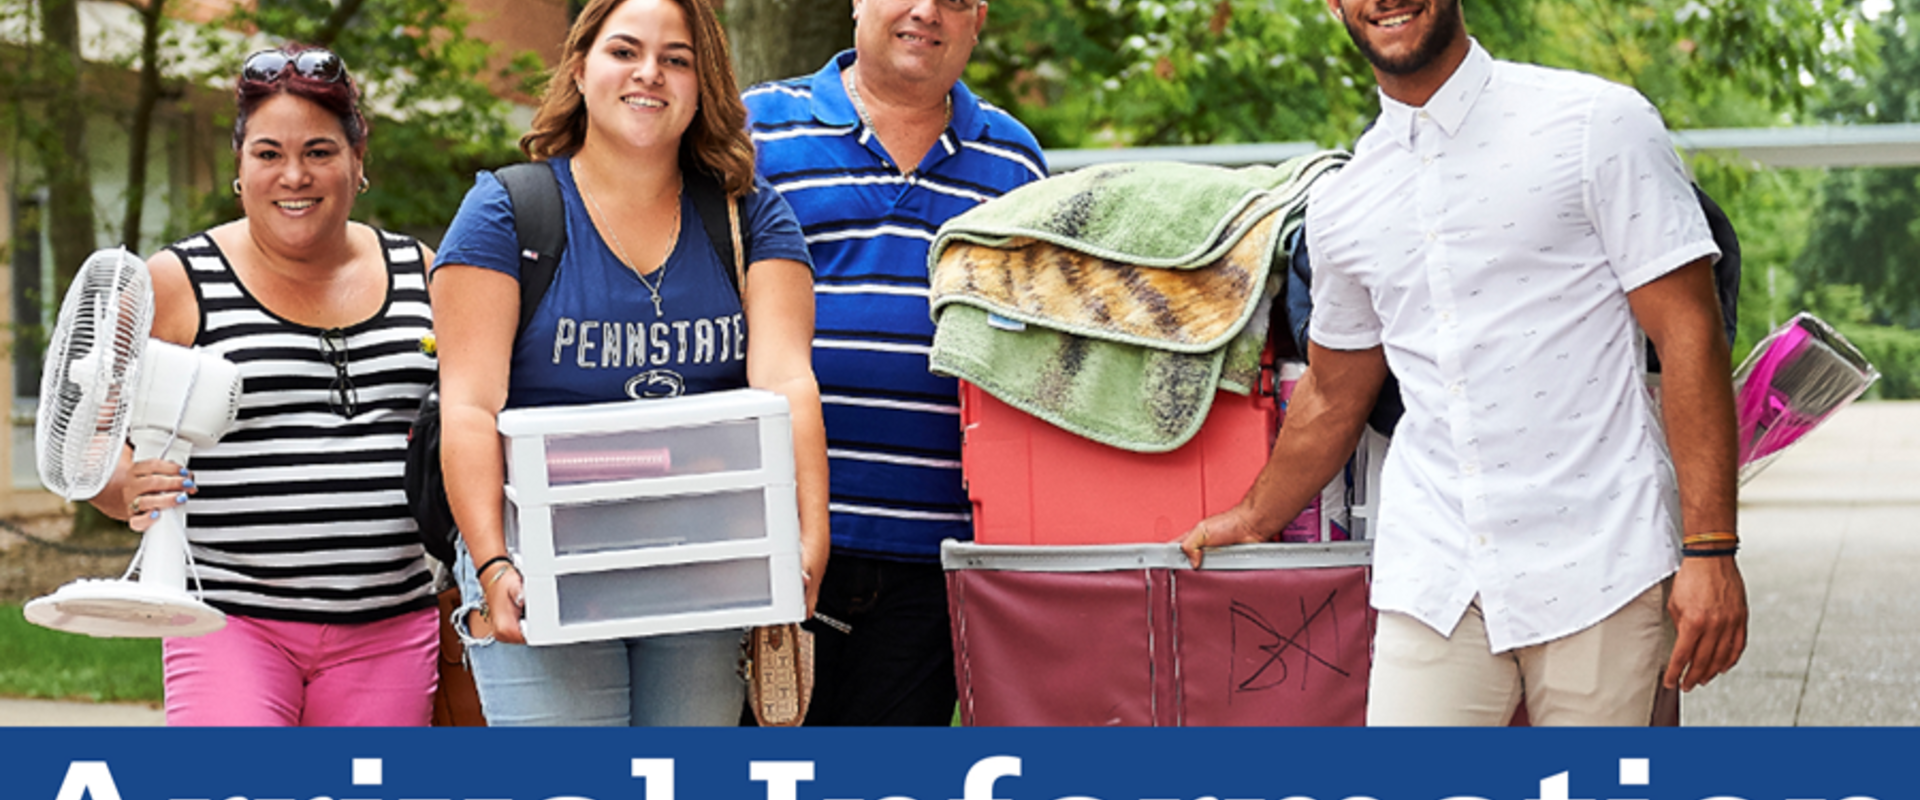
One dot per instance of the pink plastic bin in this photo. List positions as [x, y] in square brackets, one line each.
[1034, 483]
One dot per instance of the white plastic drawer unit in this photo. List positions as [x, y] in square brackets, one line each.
[651, 517]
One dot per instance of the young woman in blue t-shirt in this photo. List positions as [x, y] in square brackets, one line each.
[641, 307]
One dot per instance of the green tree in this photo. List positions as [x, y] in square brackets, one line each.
[1769, 208]
[1088, 73]
[1857, 269]
[775, 39]
[50, 117]
[1867, 226]
[153, 24]
[1704, 63]
[53, 121]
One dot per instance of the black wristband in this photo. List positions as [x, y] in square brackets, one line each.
[481, 571]
[1709, 552]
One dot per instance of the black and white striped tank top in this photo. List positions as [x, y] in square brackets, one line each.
[301, 514]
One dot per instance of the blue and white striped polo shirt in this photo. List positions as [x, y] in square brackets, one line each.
[893, 428]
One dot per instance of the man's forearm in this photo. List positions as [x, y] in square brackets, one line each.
[1697, 404]
[1680, 312]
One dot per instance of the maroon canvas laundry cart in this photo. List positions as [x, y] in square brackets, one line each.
[1096, 635]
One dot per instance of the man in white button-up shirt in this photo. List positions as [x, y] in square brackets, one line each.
[1497, 236]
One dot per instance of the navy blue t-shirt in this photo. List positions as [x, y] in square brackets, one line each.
[594, 337]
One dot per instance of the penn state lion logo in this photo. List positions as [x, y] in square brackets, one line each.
[656, 383]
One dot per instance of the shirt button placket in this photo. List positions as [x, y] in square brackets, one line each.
[1431, 201]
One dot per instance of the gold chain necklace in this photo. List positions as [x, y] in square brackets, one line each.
[660, 274]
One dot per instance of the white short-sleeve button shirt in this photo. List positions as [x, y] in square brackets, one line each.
[1488, 241]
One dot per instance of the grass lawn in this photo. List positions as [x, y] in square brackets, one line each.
[37, 662]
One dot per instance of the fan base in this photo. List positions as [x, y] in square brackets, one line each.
[124, 609]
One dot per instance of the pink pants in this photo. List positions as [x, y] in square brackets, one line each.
[271, 673]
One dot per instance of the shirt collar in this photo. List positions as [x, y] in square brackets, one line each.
[831, 106]
[1448, 106]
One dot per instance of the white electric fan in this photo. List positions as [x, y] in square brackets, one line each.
[105, 379]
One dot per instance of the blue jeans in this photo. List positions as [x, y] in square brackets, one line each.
[676, 680]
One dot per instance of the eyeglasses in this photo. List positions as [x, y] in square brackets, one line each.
[268, 66]
[342, 397]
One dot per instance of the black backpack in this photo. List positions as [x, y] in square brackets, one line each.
[1296, 306]
[540, 224]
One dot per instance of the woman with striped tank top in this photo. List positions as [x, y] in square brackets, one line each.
[299, 528]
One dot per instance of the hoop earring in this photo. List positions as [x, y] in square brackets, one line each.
[364, 183]
[236, 187]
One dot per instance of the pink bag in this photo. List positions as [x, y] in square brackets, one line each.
[1795, 379]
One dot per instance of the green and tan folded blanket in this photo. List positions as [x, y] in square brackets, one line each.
[1115, 300]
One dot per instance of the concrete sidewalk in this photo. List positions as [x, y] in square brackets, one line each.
[1831, 546]
[17, 712]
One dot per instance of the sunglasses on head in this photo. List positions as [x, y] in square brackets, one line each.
[268, 66]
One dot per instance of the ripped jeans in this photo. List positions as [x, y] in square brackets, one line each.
[676, 680]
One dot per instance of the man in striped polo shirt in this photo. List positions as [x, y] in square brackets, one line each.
[874, 152]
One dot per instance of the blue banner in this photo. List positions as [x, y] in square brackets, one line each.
[958, 764]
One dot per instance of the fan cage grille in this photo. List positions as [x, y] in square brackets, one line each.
[92, 370]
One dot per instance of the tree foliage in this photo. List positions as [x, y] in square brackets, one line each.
[153, 25]
[44, 94]
[1770, 211]
[1866, 233]
[1087, 73]
[775, 39]
[45, 86]
[1120, 72]
[1858, 266]
[1867, 226]
[1707, 63]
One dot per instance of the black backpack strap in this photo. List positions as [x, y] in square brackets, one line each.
[1726, 271]
[710, 202]
[540, 223]
[1297, 300]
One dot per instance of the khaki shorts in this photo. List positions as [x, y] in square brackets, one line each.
[1604, 675]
